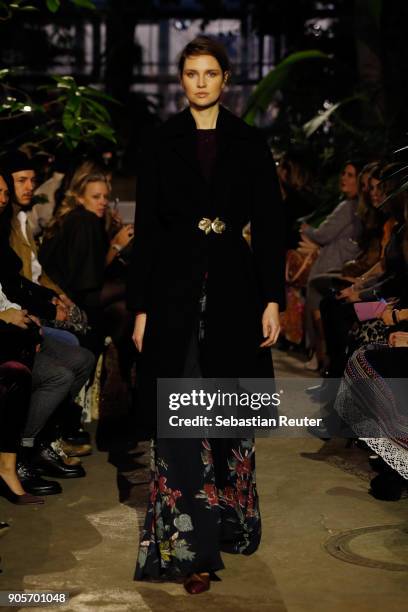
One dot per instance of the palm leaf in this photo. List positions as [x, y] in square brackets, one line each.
[316, 122]
[275, 80]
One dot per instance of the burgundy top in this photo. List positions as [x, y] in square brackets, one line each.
[207, 152]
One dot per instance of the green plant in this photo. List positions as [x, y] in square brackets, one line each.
[8, 8]
[71, 114]
[276, 80]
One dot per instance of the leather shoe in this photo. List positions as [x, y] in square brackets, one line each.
[57, 446]
[48, 462]
[34, 484]
[75, 450]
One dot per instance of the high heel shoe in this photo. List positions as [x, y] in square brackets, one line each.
[197, 583]
[20, 500]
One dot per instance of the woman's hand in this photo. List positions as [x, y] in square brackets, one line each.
[15, 317]
[306, 245]
[270, 324]
[62, 309]
[350, 294]
[138, 331]
[66, 300]
[386, 317]
[398, 339]
[124, 236]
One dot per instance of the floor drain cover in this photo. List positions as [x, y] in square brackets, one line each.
[380, 546]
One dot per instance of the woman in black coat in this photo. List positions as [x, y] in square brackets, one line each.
[76, 252]
[206, 305]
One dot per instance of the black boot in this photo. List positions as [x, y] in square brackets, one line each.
[32, 482]
[48, 462]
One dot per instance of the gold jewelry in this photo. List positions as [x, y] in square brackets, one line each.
[217, 226]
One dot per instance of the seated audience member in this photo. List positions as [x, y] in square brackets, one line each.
[337, 237]
[391, 285]
[59, 371]
[372, 401]
[41, 214]
[15, 388]
[338, 317]
[77, 254]
[22, 171]
[39, 301]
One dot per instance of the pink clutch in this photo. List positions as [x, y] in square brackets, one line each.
[370, 310]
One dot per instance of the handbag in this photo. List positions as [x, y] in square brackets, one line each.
[298, 267]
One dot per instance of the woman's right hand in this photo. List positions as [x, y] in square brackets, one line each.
[15, 317]
[138, 331]
[124, 235]
[398, 339]
[349, 294]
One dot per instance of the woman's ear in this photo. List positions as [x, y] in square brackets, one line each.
[227, 75]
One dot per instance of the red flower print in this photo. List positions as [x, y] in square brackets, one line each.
[211, 493]
[244, 466]
[173, 497]
[162, 484]
[229, 496]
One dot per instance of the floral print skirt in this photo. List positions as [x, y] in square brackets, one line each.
[203, 498]
[190, 519]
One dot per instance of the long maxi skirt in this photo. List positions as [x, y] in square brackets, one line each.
[203, 498]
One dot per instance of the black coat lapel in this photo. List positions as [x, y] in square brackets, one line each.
[183, 131]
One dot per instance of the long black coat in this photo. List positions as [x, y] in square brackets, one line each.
[171, 254]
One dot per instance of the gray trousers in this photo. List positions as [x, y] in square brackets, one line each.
[60, 371]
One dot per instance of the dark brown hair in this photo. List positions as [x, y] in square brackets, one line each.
[204, 45]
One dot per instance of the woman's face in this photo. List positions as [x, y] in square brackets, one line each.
[202, 80]
[376, 192]
[348, 181]
[95, 198]
[4, 195]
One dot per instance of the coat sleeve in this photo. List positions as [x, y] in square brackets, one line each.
[146, 229]
[35, 298]
[268, 228]
[332, 226]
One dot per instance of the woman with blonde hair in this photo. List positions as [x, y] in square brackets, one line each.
[76, 250]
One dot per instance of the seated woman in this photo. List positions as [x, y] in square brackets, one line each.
[76, 252]
[392, 287]
[59, 371]
[15, 387]
[337, 237]
[372, 400]
[336, 317]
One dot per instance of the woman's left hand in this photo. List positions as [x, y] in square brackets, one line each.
[387, 317]
[398, 339]
[124, 236]
[270, 324]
